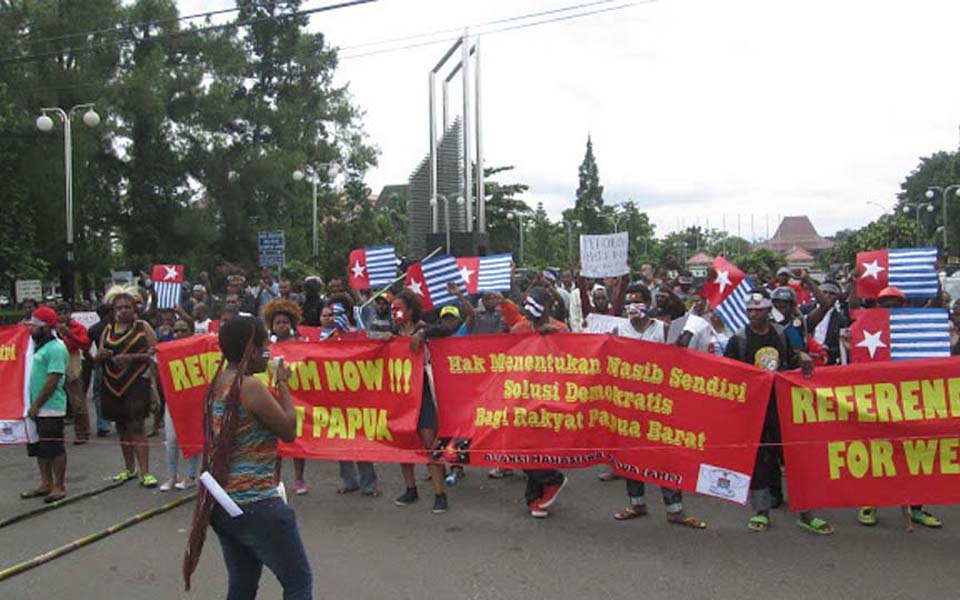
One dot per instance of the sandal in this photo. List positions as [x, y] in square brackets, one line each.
[630, 512]
[816, 525]
[867, 516]
[758, 523]
[148, 481]
[374, 493]
[34, 494]
[51, 498]
[125, 475]
[924, 518]
[685, 521]
[346, 490]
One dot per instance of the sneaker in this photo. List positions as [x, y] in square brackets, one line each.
[537, 510]
[499, 473]
[440, 504]
[867, 515]
[924, 518]
[550, 493]
[125, 475]
[167, 485]
[102, 433]
[148, 481]
[186, 484]
[451, 479]
[300, 487]
[407, 498]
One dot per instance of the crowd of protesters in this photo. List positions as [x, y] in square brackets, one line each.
[795, 321]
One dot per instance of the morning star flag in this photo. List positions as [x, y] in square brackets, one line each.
[428, 279]
[167, 282]
[486, 273]
[880, 334]
[373, 267]
[726, 291]
[911, 270]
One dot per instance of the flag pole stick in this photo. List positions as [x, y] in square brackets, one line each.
[400, 278]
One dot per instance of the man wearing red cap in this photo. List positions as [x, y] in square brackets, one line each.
[48, 405]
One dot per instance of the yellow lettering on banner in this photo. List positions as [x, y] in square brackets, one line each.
[953, 385]
[921, 455]
[301, 413]
[308, 376]
[825, 406]
[193, 370]
[460, 365]
[934, 399]
[948, 456]
[910, 400]
[862, 396]
[333, 423]
[845, 407]
[178, 373]
[858, 459]
[714, 387]
[331, 369]
[494, 419]
[8, 353]
[371, 372]
[801, 398]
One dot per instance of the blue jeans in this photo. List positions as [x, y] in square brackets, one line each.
[265, 534]
[102, 424]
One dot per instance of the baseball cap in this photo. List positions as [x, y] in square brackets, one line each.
[450, 310]
[44, 316]
[887, 292]
[784, 293]
[784, 271]
[757, 299]
[199, 288]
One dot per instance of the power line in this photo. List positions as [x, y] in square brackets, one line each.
[501, 30]
[123, 28]
[495, 22]
[186, 32]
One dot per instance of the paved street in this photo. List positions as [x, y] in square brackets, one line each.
[484, 548]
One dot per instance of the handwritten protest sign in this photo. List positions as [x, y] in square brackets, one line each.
[604, 255]
[597, 323]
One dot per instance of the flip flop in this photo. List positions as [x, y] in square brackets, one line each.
[685, 521]
[34, 494]
[375, 493]
[51, 498]
[630, 512]
[346, 490]
[758, 523]
[816, 525]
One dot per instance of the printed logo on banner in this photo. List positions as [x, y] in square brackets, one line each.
[723, 483]
[13, 432]
[452, 450]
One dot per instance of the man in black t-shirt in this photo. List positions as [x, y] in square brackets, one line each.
[764, 345]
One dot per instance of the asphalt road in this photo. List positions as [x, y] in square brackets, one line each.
[486, 547]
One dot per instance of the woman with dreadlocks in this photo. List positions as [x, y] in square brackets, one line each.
[242, 421]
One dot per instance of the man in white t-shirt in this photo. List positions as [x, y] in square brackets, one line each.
[640, 326]
[687, 330]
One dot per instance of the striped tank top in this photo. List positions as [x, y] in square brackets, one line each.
[118, 378]
[250, 471]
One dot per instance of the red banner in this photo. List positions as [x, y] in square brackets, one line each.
[356, 400]
[655, 412]
[875, 434]
[15, 357]
[186, 367]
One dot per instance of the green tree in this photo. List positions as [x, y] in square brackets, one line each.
[589, 207]
[502, 200]
[941, 169]
[545, 241]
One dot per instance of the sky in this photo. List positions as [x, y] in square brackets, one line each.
[703, 112]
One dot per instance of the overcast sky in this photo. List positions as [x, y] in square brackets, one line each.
[696, 107]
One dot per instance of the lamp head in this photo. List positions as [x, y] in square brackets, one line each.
[44, 123]
[460, 200]
[929, 194]
[91, 118]
[298, 175]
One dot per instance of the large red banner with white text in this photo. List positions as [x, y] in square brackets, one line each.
[873, 434]
[14, 347]
[654, 412]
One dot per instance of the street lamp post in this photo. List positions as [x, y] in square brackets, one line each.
[569, 226]
[45, 123]
[616, 222]
[944, 196]
[446, 212]
[332, 169]
[917, 207]
[519, 218]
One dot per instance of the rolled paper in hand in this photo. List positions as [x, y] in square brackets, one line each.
[220, 495]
